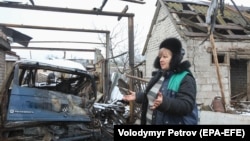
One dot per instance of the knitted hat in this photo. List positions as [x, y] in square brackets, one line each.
[175, 46]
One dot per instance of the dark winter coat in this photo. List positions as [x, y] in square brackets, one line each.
[177, 108]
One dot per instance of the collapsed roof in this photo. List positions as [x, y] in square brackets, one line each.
[229, 24]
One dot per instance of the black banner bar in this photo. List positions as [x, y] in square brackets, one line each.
[162, 132]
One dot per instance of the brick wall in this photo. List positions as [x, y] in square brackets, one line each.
[205, 73]
[232, 75]
[202, 67]
[163, 28]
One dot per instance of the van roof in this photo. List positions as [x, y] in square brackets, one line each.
[57, 63]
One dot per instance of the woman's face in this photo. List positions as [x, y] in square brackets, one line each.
[165, 56]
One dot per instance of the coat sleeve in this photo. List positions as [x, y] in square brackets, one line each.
[140, 96]
[184, 101]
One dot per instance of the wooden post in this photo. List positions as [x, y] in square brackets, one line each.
[131, 63]
[217, 69]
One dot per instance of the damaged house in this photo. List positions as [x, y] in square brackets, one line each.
[8, 57]
[4, 47]
[186, 20]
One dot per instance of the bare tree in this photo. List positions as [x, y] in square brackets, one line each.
[119, 48]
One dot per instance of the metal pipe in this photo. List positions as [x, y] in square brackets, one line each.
[137, 78]
[93, 12]
[66, 10]
[54, 28]
[131, 61]
[106, 70]
[78, 42]
[52, 48]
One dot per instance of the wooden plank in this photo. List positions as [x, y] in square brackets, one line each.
[231, 27]
[220, 19]
[236, 37]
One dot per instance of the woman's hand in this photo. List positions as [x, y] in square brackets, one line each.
[129, 97]
[157, 101]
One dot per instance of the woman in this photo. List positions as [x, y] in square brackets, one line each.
[170, 96]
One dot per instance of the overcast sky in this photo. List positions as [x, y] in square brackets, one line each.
[142, 20]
